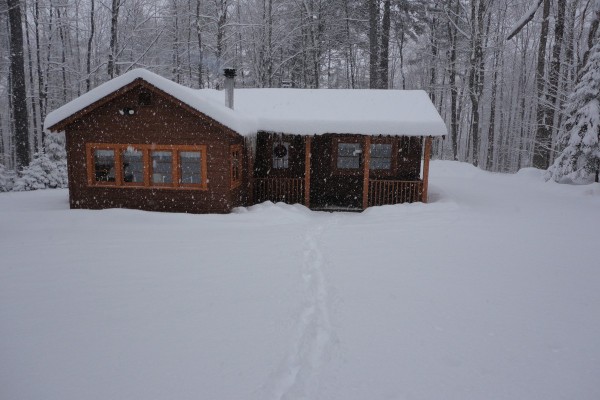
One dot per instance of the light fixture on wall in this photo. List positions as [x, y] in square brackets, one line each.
[126, 111]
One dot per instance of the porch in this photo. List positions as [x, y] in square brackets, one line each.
[339, 172]
[293, 191]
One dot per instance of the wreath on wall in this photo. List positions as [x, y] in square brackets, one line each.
[280, 151]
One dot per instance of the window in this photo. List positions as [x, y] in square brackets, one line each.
[142, 165]
[104, 165]
[162, 167]
[281, 155]
[132, 161]
[236, 165]
[145, 99]
[190, 167]
[381, 156]
[348, 156]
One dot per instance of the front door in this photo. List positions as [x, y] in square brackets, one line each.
[337, 165]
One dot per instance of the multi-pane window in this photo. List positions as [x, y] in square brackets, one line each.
[281, 155]
[236, 165]
[381, 156]
[132, 160]
[104, 165]
[139, 165]
[348, 155]
[190, 167]
[162, 167]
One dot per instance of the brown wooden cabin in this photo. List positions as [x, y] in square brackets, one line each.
[136, 145]
[165, 157]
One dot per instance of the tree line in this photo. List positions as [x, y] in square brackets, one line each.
[499, 71]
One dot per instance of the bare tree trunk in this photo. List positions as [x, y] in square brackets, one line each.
[37, 142]
[48, 55]
[492, 127]
[349, 44]
[476, 70]
[400, 43]
[176, 62]
[452, 33]
[221, 21]
[385, 46]
[40, 76]
[112, 55]
[373, 44]
[88, 62]
[63, 67]
[432, 69]
[199, 36]
[541, 154]
[554, 74]
[188, 42]
[17, 84]
[269, 38]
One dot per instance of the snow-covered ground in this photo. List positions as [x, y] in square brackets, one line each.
[491, 291]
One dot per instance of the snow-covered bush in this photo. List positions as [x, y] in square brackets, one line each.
[7, 179]
[42, 173]
[579, 162]
[48, 169]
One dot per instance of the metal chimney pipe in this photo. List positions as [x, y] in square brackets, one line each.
[229, 74]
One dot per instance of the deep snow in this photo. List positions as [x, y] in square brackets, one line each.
[491, 291]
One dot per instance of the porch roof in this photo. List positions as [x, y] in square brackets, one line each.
[293, 111]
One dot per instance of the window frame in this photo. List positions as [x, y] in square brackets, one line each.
[335, 150]
[91, 165]
[146, 150]
[174, 164]
[177, 164]
[122, 169]
[393, 156]
[235, 153]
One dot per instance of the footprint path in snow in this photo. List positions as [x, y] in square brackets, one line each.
[295, 378]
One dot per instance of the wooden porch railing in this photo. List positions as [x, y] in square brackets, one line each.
[288, 190]
[393, 192]
[291, 191]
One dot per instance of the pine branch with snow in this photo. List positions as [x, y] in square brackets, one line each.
[579, 162]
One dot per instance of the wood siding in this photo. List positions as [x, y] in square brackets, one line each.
[164, 122]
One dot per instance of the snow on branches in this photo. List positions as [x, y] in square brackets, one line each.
[7, 179]
[48, 169]
[579, 162]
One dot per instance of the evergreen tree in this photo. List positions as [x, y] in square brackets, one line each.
[579, 162]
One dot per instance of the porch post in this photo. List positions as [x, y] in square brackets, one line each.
[307, 155]
[426, 158]
[250, 168]
[366, 164]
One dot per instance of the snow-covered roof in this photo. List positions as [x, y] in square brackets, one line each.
[218, 112]
[294, 111]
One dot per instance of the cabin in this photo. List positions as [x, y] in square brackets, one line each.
[144, 142]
